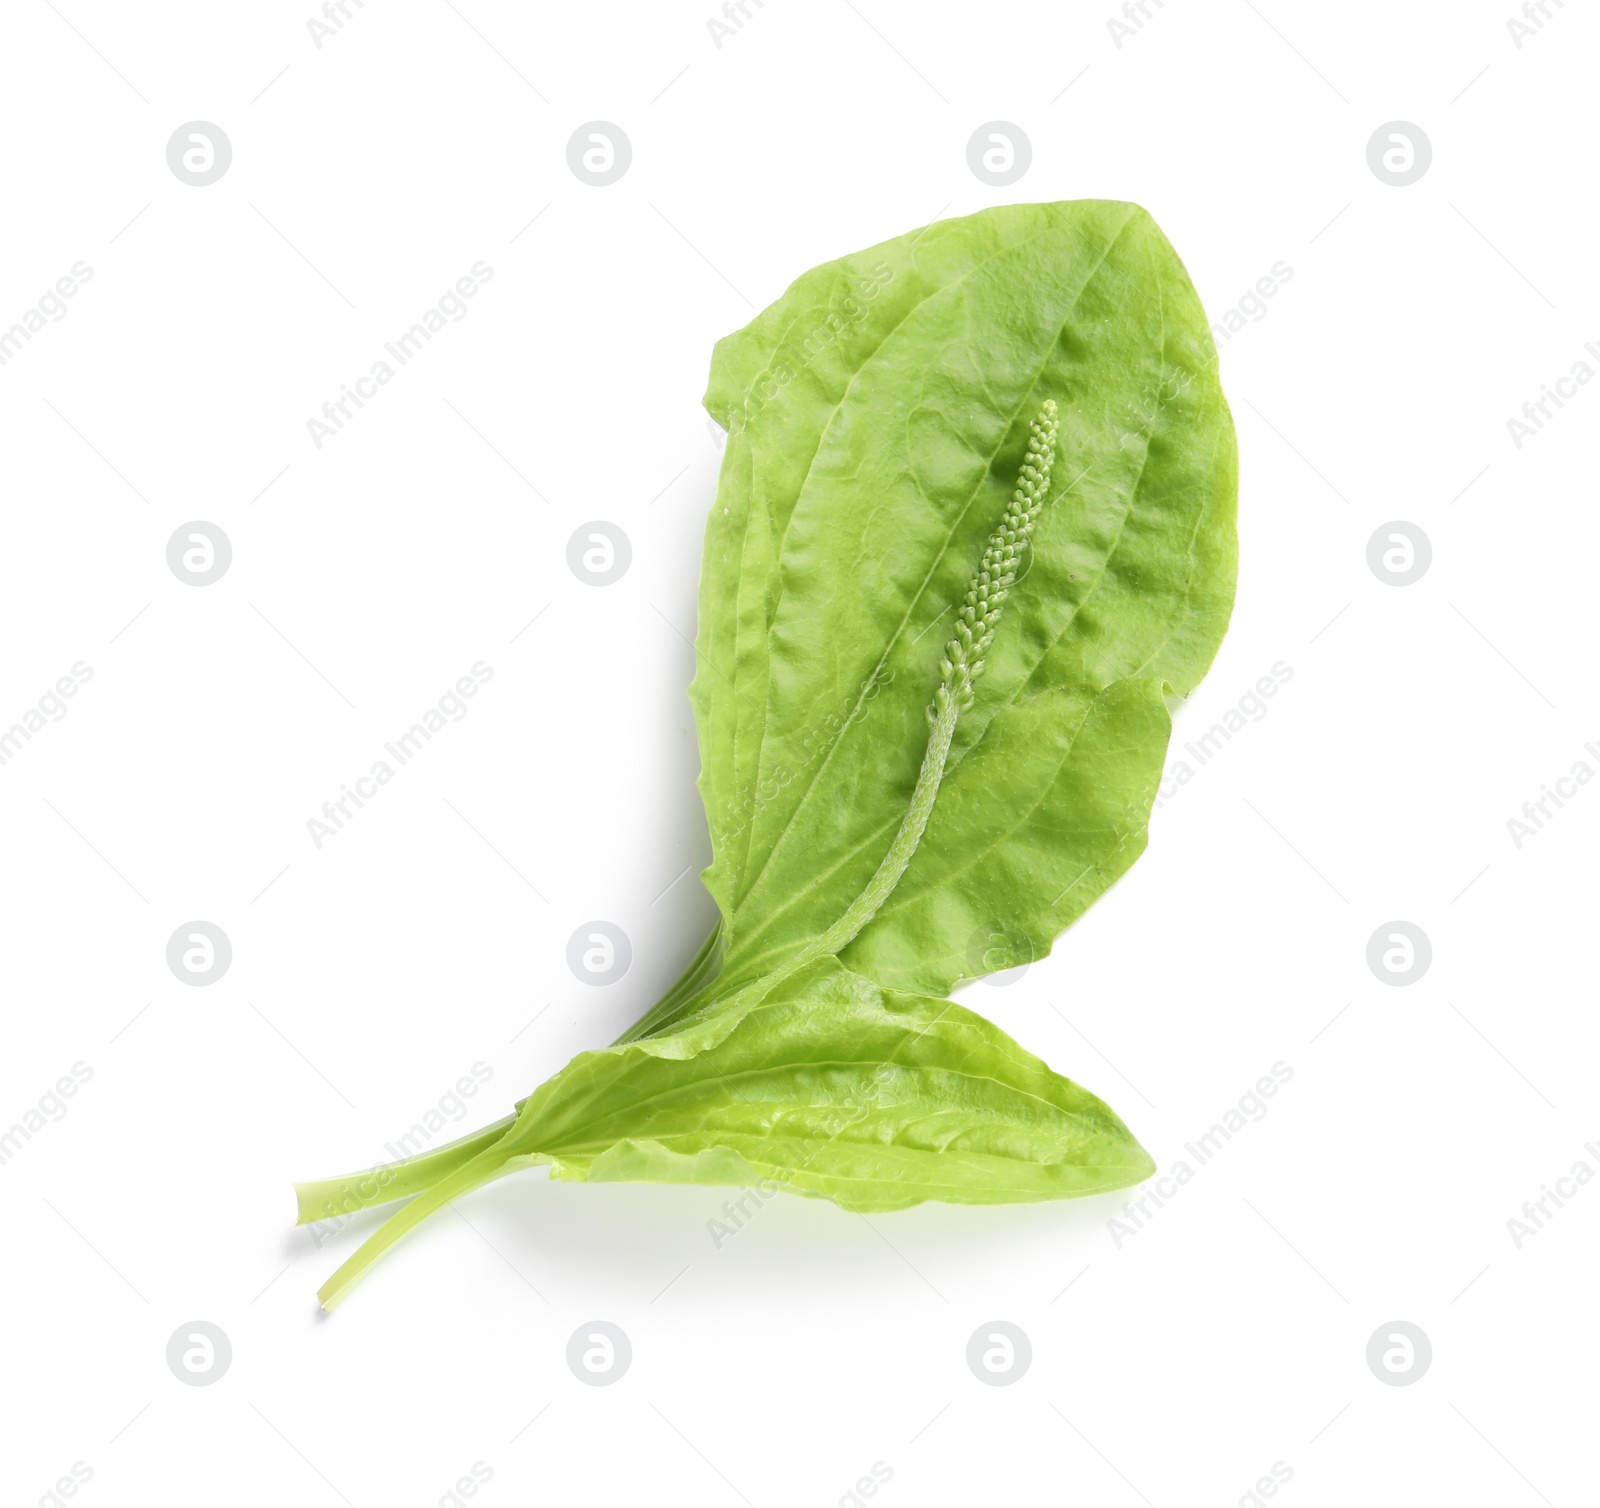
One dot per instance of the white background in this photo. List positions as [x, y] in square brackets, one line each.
[1174, 1368]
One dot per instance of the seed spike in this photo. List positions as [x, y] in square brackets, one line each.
[997, 571]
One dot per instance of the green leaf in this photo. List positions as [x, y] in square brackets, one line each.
[835, 1087]
[826, 1085]
[878, 414]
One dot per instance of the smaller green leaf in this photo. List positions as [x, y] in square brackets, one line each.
[835, 1087]
[826, 1084]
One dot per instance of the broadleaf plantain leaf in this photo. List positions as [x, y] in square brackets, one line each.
[833, 1086]
[877, 415]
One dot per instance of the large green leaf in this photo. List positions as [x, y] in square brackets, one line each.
[877, 415]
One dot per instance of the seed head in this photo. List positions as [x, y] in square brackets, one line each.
[991, 583]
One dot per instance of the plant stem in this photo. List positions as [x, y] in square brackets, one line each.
[704, 968]
[895, 862]
[878, 889]
[328, 1198]
[488, 1165]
